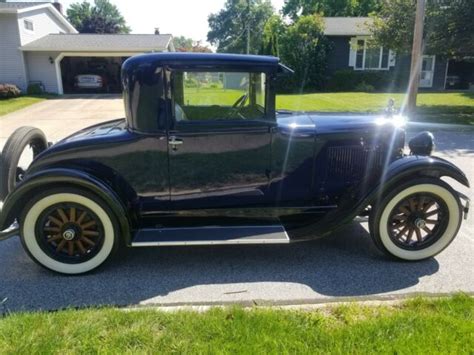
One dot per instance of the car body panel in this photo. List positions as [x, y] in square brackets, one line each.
[311, 172]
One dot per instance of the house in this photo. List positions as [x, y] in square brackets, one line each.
[39, 45]
[349, 37]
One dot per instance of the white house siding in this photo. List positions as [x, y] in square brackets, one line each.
[41, 69]
[12, 66]
[44, 23]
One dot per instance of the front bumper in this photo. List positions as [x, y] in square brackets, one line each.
[465, 205]
[11, 231]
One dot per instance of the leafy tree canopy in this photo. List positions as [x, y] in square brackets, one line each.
[295, 8]
[304, 48]
[184, 44]
[272, 32]
[448, 30]
[228, 27]
[102, 17]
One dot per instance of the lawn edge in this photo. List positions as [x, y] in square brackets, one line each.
[296, 304]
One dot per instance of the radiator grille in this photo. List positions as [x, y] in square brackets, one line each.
[350, 163]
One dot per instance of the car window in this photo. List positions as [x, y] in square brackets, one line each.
[203, 96]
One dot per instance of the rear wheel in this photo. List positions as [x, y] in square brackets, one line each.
[19, 151]
[417, 220]
[68, 230]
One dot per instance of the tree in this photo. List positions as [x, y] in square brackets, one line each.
[448, 30]
[102, 17]
[304, 48]
[296, 8]
[274, 29]
[229, 26]
[184, 44]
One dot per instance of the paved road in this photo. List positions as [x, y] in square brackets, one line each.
[344, 265]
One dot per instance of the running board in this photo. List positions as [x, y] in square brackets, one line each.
[273, 234]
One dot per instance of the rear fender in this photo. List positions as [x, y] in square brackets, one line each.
[45, 179]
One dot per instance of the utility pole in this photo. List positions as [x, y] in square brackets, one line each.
[416, 56]
[248, 26]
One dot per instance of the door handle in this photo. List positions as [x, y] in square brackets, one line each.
[174, 142]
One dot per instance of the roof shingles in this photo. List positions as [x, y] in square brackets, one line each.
[100, 43]
[347, 26]
[20, 5]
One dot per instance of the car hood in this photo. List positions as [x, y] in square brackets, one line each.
[338, 122]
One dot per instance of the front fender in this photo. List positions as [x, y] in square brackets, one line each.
[62, 177]
[423, 166]
[406, 168]
[368, 192]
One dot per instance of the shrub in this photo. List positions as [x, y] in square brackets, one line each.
[364, 87]
[191, 83]
[215, 86]
[8, 91]
[351, 80]
[35, 89]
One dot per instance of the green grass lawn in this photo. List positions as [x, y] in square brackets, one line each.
[373, 102]
[417, 326]
[448, 107]
[17, 103]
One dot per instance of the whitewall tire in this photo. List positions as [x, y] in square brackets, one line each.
[69, 231]
[417, 220]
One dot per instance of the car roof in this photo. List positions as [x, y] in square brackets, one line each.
[219, 59]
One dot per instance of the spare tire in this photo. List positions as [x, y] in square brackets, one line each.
[10, 171]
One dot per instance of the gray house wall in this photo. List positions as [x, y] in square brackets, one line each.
[20, 68]
[44, 23]
[12, 67]
[338, 59]
[41, 69]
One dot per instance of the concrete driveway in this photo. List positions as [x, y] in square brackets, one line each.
[60, 117]
[345, 265]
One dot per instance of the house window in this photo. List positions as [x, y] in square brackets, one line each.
[28, 25]
[370, 58]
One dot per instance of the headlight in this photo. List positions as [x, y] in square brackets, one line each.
[422, 143]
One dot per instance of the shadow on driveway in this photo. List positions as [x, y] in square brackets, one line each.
[342, 265]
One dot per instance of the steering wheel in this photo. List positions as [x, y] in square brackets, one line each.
[238, 105]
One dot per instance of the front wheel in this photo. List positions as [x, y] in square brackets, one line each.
[68, 230]
[417, 220]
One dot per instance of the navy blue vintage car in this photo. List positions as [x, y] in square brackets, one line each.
[203, 158]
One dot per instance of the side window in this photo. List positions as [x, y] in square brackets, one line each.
[203, 96]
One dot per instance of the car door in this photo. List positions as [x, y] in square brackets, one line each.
[219, 141]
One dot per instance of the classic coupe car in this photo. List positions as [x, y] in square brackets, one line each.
[203, 157]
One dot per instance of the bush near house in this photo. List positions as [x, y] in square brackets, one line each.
[8, 91]
[350, 80]
[35, 89]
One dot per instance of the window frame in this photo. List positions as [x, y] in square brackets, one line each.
[30, 22]
[268, 115]
[364, 56]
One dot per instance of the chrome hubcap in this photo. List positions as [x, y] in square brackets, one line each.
[69, 234]
[420, 223]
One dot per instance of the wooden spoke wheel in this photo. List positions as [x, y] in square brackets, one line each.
[70, 232]
[417, 221]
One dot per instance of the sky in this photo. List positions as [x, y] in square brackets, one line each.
[179, 17]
